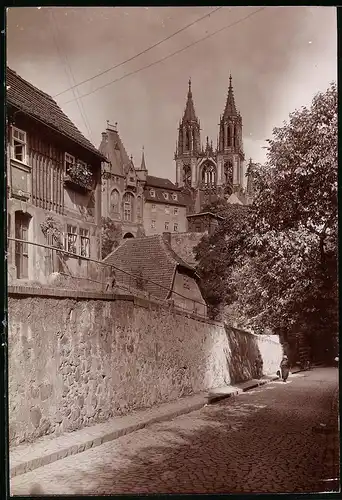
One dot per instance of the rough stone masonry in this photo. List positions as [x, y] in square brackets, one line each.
[74, 361]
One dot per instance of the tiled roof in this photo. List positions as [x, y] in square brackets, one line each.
[160, 182]
[36, 103]
[150, 258]
[160, 186]
[112, 145]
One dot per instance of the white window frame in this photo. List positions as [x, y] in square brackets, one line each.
[68, 158]
[154, 207]
[166, 225]
[152, 193]
[175, 211]
[175, 227]
[84, 242]
[166, 196]
[167, 209]
[174, 197]
[128, 212]
[23, 142]
[153, 224]
[71, 239]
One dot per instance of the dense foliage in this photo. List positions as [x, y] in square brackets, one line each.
[276, 261]
[111, 235]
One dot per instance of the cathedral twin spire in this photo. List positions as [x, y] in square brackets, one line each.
[189, 126]
[189, 113]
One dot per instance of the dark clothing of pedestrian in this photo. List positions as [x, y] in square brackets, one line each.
[259, 365]
[285, 369]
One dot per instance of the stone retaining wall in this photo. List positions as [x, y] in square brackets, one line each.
[77, 358]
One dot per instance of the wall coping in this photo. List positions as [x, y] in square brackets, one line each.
[60, 293]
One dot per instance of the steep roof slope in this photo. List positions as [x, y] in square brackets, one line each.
[36, 103]
[112, 146]
[149, 258]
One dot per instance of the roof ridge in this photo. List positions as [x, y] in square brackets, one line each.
[33, 86]
[39, 105]
[173, 255]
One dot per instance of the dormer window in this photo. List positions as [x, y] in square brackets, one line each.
[152, 193]
[19, 145]
[174, 197]
[166, 196]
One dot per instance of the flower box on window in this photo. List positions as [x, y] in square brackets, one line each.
[79, 176]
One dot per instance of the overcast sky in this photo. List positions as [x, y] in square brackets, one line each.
[279, 58]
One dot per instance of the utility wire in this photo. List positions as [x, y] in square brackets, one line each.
[140, 53]
[169, 56]
[70, 74]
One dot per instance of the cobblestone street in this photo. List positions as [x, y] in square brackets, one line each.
[259, 441]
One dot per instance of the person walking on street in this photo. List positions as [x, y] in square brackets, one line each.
[259, 365]
[285, 368]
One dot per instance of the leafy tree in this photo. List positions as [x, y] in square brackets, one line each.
[278, 261]
[218, 254]
[111, 235]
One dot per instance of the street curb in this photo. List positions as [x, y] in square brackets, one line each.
[74, 449]
[79, 445]
[215, 398]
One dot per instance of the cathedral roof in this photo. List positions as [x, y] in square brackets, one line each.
[112, 146]
[189, 113]
[230, 109]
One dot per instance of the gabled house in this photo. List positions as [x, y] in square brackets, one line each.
[53, 187]
[149, 264]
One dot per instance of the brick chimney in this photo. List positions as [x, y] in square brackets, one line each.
[167, 237]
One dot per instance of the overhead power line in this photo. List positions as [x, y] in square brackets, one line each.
[69, 73]
[168, 56]
[140, 53]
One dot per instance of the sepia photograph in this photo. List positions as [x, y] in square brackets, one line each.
[171, 176]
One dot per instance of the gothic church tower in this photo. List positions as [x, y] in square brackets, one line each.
[205, 173]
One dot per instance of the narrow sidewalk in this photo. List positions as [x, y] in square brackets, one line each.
[48, 449]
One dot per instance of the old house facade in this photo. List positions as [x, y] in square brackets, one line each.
[123, 185]
[139, 203]
[53, 187]
[149, 264]
[164, 208]
[211, 172]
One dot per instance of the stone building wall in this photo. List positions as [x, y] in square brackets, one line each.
[77, 358]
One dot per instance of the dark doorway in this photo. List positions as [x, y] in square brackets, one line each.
[128, 235]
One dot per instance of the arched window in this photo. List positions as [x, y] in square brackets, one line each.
[128, 200]
[187, 176]
[228, 172]
[229, 135]
[188, 140]
[139, 207]
[209, 174]
[115, 201]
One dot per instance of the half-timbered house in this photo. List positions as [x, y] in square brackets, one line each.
[53, 187]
